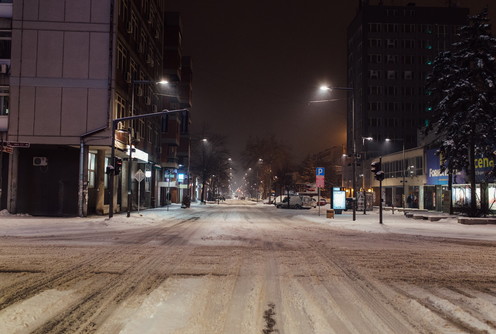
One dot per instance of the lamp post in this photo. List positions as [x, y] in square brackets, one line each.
[363, 173]
[353, 139]
[130, 162]
[112, 148]
[259, 163]
[403, 169]
[204, 170]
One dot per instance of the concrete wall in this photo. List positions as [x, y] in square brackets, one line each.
[59, 74]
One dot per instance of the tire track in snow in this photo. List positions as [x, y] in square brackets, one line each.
[139, 277]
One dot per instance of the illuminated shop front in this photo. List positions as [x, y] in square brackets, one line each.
[460, 194]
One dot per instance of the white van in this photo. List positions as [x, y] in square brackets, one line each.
[296, 202]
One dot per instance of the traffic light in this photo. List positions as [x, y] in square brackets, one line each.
[117, 166]
[109, 170]
[376, 169]
[379, 176]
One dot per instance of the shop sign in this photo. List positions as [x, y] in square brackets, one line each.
[434, 176]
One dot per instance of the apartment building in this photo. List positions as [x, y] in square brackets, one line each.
[76, 67]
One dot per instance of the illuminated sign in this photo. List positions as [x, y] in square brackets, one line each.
[138, 154]
[339, 200]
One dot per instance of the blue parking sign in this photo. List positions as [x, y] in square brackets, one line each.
[320, 171]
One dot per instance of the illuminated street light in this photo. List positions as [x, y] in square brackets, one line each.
[130, 160]
[353, 139]
[363, 178]
[403, 169]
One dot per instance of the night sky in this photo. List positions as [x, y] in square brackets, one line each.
[256, 64]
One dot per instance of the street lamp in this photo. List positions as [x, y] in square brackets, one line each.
[363, 173]
[259, 163]
[130, 162]
[403, 169]
[112, 148]
[353, 139]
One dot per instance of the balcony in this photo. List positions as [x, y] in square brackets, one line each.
[171, 163]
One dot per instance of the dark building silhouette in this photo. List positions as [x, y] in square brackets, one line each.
[390, 53]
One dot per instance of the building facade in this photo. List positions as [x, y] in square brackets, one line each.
[416, 173]
[390, 53]
[5, 55]
[75, 68]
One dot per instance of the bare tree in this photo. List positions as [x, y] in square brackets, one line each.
[265, 156]
[210, 161]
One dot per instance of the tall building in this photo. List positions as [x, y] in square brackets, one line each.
[175, 128]
[390, 53]
[5, 51]
[77, 66]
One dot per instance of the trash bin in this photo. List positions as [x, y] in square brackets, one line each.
[330, 213]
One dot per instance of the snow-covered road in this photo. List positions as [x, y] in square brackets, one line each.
[236, 268]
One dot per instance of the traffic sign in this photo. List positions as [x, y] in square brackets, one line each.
[139, 176]
[15, 144]
[320, 171]
[319, 182]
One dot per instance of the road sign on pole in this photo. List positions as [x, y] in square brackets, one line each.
[139, 175]
[319, 177]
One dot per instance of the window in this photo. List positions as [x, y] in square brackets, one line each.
[391, 90]
[391, 75]
[408, 107]
[141, 129]
[374, 74]
[409, 28]
[165, 123]
[120, 107]
[392, 59]
[375, 59]
[373, 122]
[123, 10]
[374, 27]
[375, 43]
[391, 43]
[133, 69]
[391, 28]
[442, 30]
[392, 106]
[4, 100]
[149, 134]
[91, 169]
[121, 59]
[408, 91]
[408, 60]
[374, 106]
[374, 90]
[5, 44]
[409, 44]
[408, 75]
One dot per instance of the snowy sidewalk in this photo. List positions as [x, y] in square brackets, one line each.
[398, 223]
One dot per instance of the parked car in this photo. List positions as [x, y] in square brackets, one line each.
[322, 201]
[296, 202]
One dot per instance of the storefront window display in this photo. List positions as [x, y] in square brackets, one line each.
[491, 196]
[461, 195]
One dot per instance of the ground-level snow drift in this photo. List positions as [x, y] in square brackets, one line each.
[241, 269]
